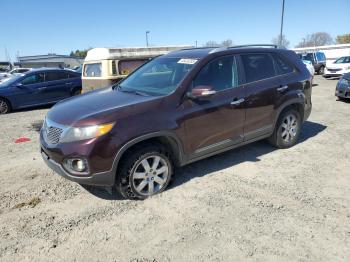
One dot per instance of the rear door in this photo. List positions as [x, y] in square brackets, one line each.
[58, 85]
[261, 90]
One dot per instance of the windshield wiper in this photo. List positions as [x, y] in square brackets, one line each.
[132, 91]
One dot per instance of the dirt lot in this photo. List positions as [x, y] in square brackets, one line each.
[253, 204]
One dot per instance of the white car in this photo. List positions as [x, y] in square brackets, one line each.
[309, 67]
[340, 67]
[13, 72]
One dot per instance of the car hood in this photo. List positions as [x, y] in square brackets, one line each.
[100, 106]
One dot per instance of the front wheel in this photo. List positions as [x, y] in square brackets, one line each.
[321, 70]
[146, 171]
[287, 129]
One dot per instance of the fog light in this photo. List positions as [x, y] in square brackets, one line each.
[76, 165]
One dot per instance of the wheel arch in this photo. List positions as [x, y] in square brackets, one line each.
[296, 103]
[8, 100]
[167, 139]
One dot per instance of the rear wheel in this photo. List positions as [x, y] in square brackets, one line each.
[76, 92]
[5, 106]
[146, 171]
[321, 70]
[287, 129]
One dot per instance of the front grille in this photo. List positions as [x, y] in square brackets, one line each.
[334, 70]
[53, 134]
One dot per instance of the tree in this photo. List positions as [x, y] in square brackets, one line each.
[79, 53]
[343, 39]
[211, 43]
[225, 43]
[285, 42]
[316, 39]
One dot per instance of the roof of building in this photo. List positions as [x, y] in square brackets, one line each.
[45, 57]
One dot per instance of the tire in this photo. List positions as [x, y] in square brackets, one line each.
[321, 70]
[76, 92]
[146, 171]
[287, 129]
[5, 106]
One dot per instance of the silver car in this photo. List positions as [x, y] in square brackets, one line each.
[343, 87]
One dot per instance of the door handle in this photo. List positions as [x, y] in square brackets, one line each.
[69, 83]
[237, 102]
[282, 88]
[42, 88]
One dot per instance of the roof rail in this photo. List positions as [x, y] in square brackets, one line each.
[252, 45]
[204, 47]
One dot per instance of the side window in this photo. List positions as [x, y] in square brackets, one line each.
[71, 75]
[283, 67]
[53, 76]
[258, 67]
[33, 79]
[93, 70]
[220, 74]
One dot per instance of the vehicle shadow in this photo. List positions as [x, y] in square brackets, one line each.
[251, 153]
[32, 108]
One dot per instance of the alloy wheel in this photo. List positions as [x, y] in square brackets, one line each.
[289, 128]
[150, 175]
[3, 107]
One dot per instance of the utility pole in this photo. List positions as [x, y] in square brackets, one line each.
[147, 32]
[196, 43]
[281, 32]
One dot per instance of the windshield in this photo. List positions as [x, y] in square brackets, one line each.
[160, 76]
[307, 57]
[344, 59]
[10, 80]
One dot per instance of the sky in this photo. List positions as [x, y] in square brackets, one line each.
[35, 27]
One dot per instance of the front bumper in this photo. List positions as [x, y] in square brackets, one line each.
[343, 89]
[338, 73]
[98, 179]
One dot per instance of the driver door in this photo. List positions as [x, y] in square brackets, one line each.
[30, 90]
[218, 121]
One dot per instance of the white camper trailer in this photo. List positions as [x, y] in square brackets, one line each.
[332, 52]
[105, 66]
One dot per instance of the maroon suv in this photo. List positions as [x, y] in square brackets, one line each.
[176, 109]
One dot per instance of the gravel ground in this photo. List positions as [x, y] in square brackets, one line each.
[254, 203]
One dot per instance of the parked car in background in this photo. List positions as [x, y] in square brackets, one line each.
[38, 87]
[309, 67]
[176, 109]
[106, 66]
[5, 67]
[342, 90]
[340, 67]
[318, 60]
[13, 72]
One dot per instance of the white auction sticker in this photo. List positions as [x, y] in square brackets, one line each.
[187, 61]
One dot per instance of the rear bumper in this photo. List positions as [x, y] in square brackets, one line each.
[98, 179]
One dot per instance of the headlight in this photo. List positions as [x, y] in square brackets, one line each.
[87, 132]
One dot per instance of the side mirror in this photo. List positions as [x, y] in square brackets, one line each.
[201, 92]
